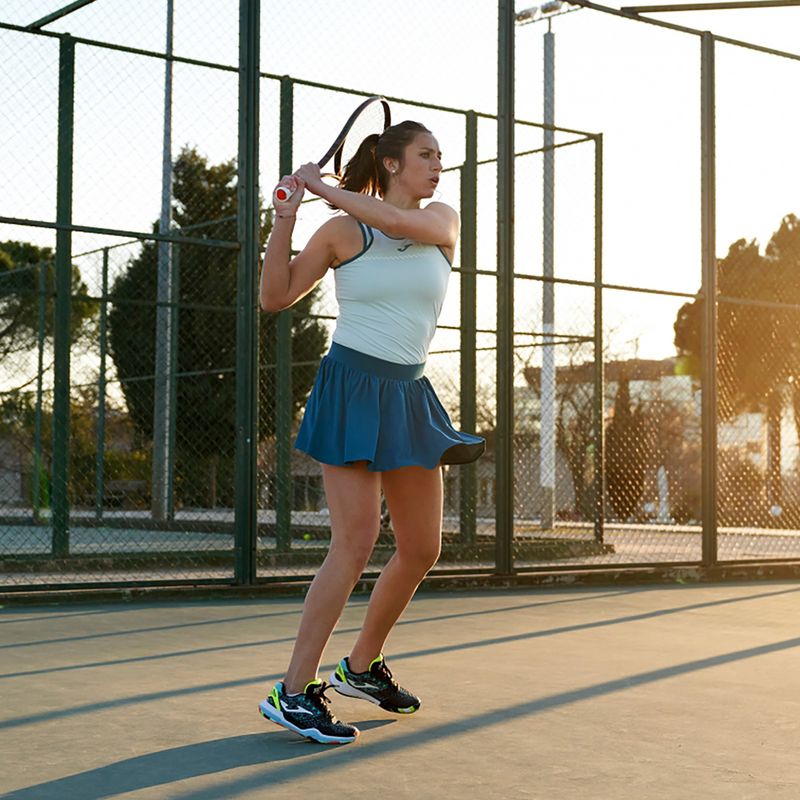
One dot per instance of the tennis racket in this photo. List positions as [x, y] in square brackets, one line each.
[371, 116]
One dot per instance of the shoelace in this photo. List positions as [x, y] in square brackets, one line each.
[317, 696]
[384, 673]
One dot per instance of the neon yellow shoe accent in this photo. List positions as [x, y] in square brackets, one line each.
[375, 661]
[340, 672]
[315, 682]
[275, 698]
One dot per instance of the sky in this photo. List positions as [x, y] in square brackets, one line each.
[637, 84]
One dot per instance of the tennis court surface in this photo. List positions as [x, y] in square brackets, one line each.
[623, 692]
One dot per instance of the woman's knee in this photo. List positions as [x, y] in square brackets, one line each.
[422, 556]
[353, 553]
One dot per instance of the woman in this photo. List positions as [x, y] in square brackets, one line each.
[372, 420]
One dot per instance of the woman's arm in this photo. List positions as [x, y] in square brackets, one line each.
[284, 280]
[437, 223]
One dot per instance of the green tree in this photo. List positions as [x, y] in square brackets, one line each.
[20, 264]
[759, 344]
[758, 339]
[205, 201]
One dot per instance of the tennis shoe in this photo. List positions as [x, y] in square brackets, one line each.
[376, 685]
[307, 714]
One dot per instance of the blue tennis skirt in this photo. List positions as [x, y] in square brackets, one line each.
[363, 408]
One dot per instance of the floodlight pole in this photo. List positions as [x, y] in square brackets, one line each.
[547, 389]
[547, 430]
[163, 411]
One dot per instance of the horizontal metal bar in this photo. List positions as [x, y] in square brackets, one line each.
[520, 346]
[709, 6]
[121, 48]
[642, 290]
[484, 115]
[683, 29]
[590, 284]
[192, 374]
[770, 51]
[272, 76]
[233, 246]
[747, 301]
[87, 586]
[431, 106]
[130, 301]
[516, 333]
[607, 567]
[633, 17]
[19, 270]
[136, 241]
[106, 247]
[156, 237]
[786, 559]
[587, 138]
[62, 12]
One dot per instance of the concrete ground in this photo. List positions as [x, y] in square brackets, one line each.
[660, 692]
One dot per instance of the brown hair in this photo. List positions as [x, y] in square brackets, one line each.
[365, 171]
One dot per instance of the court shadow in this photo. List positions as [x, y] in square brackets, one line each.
[371, 724]
[262, 643]
[171, 766]
[88, 708]
[403, 745]
[152, 629]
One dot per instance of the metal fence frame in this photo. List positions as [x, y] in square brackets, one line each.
[247, 246]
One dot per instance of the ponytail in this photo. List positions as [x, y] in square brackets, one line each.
[365, 172]
[360, 174]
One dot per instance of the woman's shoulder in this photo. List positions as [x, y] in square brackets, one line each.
[346, 237]
[441, 208]
[341, 223]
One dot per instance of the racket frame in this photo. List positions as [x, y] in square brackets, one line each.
[336, 149]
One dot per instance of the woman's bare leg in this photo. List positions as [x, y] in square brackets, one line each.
[414, 497]
[353, 496]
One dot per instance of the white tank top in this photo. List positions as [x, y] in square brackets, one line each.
[390, 296]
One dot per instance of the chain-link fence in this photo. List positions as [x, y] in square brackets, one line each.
[148, 412]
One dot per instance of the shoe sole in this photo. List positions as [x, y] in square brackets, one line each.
[344, 688]
[271, 714]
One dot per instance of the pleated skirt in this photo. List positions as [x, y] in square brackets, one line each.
[363, 408]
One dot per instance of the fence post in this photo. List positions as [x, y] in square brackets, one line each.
[709, 327]
[599, 359]
[63, 300]
[37, 424]
[248, 223]
[283, 358]
[100, 454]
[468, 474]
[504, 446]
[175, 263]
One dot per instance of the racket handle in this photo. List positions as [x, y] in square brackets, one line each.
[282, 194]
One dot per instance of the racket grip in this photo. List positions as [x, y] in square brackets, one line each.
[282, 194]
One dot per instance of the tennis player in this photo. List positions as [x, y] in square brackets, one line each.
[372, 420]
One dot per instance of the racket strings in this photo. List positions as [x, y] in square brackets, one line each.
[360, 144]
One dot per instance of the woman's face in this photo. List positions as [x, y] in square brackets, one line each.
[422, 163]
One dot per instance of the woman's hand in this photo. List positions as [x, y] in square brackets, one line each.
[288, 208]
[311, 177]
